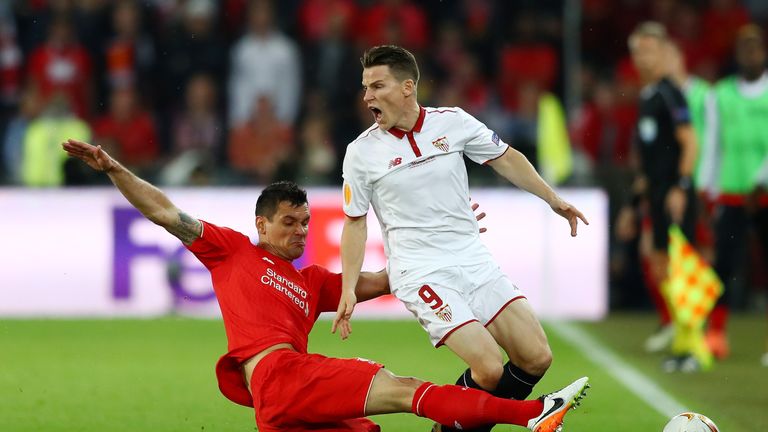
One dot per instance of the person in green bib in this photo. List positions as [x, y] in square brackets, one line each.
[737, 146]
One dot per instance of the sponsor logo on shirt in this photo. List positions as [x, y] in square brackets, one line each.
[395, 162]
[495, 138]
[421, 162]
[441, 143]
[295, 293]
[268, 260]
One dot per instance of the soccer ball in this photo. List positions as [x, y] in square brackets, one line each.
[690, 422]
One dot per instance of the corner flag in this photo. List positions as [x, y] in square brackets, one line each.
[693, 286]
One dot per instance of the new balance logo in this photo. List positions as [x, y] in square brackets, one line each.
[395, 162]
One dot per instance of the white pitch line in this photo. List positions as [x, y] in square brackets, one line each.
[637, 383]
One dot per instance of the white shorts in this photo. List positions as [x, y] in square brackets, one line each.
[451, 297]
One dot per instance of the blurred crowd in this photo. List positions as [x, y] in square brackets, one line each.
[233, 92]
[190, 92]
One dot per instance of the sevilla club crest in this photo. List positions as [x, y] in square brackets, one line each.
[441, 143]
[445, 313]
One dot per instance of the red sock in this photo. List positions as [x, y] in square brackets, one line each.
[718, 318]
[451, 405]
[655, 292]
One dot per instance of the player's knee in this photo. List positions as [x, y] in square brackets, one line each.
[544, 359]
[538, 361]
[488, 374]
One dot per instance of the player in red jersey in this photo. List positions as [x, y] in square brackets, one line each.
[269, 308]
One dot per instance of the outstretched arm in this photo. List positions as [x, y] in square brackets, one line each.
[516, 168]
[371, 285]
[147, 199]
[353, 237]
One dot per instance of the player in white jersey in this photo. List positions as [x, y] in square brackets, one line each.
[409, 166]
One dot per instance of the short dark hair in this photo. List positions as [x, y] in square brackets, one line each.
[400, 61]
[649, 29]
[749, 32]
[277, 192]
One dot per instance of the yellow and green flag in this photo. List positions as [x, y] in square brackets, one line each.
[693, 286]
[691, 290]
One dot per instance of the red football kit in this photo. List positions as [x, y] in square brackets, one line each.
[265, 301]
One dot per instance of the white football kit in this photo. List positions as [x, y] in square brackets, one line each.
[417, 183]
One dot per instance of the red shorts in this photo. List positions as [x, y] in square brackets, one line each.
[297, 392]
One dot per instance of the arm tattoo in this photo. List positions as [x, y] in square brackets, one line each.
[186, 229]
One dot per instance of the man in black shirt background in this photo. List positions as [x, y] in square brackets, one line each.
[666, 145]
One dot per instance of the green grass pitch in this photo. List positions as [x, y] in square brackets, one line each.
[157, 375]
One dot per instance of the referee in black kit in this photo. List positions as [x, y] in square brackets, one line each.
[666, 144]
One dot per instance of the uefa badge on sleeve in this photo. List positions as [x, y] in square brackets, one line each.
[441, 143]
[347, 194]
[495, 138]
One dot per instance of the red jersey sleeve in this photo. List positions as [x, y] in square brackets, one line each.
[329, 287]
[216, 243]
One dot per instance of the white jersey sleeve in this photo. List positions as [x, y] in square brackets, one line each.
[357, 185]
[482, 144]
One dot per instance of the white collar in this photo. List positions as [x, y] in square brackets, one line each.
[753, 89]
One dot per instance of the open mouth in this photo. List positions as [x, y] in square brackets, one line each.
[376, 114]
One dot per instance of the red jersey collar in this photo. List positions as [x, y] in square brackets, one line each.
[399, 133]
[269, 254]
